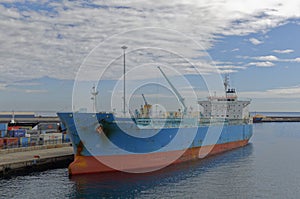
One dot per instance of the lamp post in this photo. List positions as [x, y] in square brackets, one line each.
[124, 71]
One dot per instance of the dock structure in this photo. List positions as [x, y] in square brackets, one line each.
[37, 158]
[278, 119]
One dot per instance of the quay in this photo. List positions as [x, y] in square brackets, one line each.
[276, 119]
[35, 158]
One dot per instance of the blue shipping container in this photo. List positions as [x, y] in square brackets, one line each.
[17, 133]
[20, 133]
[3, 126]
[10, 133]
[24, 141]
[66, 137]
[3, 133]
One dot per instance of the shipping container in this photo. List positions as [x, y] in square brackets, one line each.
[66, 137]
[17, 133]
[24, 141]
[11, 142]
[34, 137]
[2, 133]
[48, 127]
[3, 126]
[10, 133]
[20, 133]
[1, 143]
[50, 138]
[11, 128]
[3, 129]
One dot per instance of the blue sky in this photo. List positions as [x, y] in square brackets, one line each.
[47, 45]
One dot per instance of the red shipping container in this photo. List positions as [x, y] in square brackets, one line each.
[10, 128]
[1, 143]
[11, 142]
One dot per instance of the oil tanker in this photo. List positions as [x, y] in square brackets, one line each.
[103, 142]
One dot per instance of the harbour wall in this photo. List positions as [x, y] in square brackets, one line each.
[20, 161]
[278, 119]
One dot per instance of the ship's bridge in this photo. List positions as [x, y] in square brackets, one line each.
[228, 106]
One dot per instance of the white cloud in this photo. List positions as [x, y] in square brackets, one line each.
[25, 84]
[261, 64]
[55, 41]
[267, 58]
[255, 41]
[297, 59]
[288, 92]
[3, 86]
[35, 91]
[287, 51]
[226, 69]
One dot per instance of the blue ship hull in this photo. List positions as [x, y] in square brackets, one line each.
[103, 143]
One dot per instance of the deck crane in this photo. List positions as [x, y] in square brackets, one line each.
[144, 99]
[146, 109]
[181, 99]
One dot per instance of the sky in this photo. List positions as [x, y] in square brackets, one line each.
[53, 51]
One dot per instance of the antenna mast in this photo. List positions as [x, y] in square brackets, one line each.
[226, 82]
[94, 93]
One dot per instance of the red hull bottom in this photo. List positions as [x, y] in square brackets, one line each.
[140, 163]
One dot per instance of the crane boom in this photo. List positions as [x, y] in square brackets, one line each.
[145, 99]
[181, 99]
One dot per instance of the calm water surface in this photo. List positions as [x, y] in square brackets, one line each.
[266, 168]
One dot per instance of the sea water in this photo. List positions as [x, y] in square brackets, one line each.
[268, 167]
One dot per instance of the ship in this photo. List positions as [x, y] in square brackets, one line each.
[103, 142]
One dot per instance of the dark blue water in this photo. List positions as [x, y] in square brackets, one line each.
[266, 168]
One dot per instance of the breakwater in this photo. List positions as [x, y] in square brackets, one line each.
[277, 119]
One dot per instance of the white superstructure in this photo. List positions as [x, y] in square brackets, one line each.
[227, 107]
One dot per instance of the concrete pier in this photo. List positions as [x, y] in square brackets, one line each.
[278, 119]
[26, 160]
